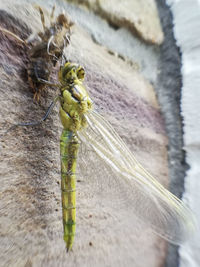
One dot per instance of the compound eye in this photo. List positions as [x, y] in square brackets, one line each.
[71, 75]
[81, 73]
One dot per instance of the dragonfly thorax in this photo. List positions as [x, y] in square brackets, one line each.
[75, 101]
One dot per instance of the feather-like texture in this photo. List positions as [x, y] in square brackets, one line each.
[127, 186]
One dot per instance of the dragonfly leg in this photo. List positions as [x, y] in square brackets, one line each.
[13, 35]
[34, 123]
[36, 96]
[44, 81]
[52, 14]
[41, 17]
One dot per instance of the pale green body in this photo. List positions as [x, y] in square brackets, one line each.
[131, 191]
[68, 152]
[75, 102]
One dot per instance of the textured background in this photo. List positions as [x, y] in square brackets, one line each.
[126, 57]
[186, 28]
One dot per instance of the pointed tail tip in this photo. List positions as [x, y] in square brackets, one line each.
[68, 249]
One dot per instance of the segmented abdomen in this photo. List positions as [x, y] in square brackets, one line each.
[68, 151]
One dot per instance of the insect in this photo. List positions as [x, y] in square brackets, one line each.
[126, 185]
[45, 50]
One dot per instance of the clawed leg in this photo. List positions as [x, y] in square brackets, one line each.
[36, 96]
[34, 123]
[44, 81]
[42, 17]
[13, 35]
[52, 15]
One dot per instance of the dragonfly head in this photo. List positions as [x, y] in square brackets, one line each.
[71, 73]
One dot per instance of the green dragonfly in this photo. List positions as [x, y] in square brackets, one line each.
[126, 185]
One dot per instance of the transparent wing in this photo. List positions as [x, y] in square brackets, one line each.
[123, 184]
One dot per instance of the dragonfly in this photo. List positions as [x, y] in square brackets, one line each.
[125, 184]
